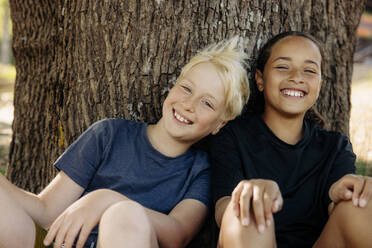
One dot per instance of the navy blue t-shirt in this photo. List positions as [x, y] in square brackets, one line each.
[117, 154]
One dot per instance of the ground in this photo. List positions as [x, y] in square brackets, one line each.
[360, 123]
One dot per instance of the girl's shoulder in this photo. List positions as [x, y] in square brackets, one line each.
[329, 136]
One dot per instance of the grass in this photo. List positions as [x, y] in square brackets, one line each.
[2, 171]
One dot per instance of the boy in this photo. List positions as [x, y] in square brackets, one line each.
[143, 183]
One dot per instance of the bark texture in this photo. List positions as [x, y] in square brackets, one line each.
[80, 61]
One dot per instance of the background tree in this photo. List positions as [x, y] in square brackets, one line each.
[80, 61]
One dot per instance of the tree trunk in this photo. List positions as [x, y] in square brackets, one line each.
[81, 61]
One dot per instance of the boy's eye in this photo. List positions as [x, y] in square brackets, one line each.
[208, 104]
[185, 88]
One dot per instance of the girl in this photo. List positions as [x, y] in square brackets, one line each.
[150, 186]
[280, 161]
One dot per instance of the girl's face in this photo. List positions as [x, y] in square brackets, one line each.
[291, 79]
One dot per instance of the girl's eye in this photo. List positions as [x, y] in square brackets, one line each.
[310, 71]
[281, 67]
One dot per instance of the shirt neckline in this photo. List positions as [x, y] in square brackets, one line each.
[155, 152]
[274, 139]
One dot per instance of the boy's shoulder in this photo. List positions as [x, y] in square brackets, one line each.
[116, 122]
[111, 126]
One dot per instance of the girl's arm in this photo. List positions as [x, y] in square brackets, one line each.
[352, 187]
[173, 230]
[46, 206]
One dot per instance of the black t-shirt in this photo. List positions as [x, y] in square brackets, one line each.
[246, 148]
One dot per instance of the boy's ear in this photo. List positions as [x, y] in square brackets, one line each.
[221, 125]
[259, 80]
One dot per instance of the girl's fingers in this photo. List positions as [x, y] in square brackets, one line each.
[366, 193]
[278, 203]
[245, 200]
[257, 205]
[235, 198]
[268, 202]
[340, 192]
[357, 189]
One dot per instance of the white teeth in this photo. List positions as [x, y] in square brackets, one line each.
[180, 118]
[293, 93]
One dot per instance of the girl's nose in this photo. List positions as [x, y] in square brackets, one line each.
[296, 76]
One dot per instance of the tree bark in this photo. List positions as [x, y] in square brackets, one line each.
[80, 61]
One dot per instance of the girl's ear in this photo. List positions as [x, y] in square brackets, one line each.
[221, 125]
[259, 80]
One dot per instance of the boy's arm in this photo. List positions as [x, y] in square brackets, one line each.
[173, 230]
[46, 206]
[178, 227]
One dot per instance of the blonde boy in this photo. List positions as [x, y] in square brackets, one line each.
[143, 184]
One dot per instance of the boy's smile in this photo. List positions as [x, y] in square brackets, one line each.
[180, 118]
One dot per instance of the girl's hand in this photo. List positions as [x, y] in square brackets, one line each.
[352, 187]
[76, 218]
[263, 196]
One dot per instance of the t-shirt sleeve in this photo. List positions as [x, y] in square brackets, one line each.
[344, 163]
[200, 187]
[83, 156]
[225, 163]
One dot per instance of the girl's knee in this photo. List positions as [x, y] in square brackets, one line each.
[234, 234]
[353, 222]
[345, 213]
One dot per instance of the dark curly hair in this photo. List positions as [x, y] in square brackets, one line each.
[256, 102]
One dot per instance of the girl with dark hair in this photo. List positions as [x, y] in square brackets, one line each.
[279, 178]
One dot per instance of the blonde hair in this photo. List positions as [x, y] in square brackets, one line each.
[229, 60]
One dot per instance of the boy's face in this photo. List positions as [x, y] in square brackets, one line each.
[195, 105]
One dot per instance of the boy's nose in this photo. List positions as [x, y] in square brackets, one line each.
[188, 104]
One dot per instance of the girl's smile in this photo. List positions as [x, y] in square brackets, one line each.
[297, 93]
